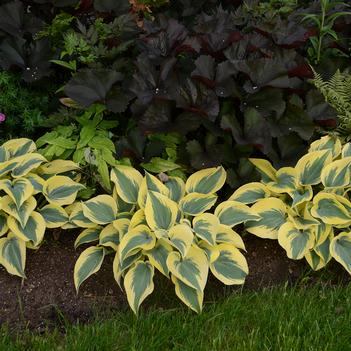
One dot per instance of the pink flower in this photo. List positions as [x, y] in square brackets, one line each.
[2, 117]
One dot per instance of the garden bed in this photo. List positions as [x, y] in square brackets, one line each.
[47, 298]
[157, 131]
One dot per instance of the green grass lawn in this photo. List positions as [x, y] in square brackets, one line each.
[289, 319]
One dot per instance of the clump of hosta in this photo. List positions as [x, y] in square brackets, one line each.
[306, 207]
[152, 225]
[32, 198]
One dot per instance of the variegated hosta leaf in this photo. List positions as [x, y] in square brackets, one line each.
[323, 249]
[322, 232]
[194, 204]
[340, 249]
[229, 236]
[158, 256]
[122, 206]
[127, 181]
[310, 166]
[33, 231]
[176, 187]
[76, 216]
[19, 147]
[55, 216]
[181, 237]
[57, 167]
[109, 237]
[206, 181]
[230, 266]
[273, 215]
[36, 181]
[161, 234]
[122, 225]
[4, 154]
[286, 181]
[301, 194]
[124, 215]
[139, 238]
[267, 171]
[19, 190]
[295, 242]
[139, 284]
[211, 252]
[88, 263]
[117, 271]
[3, 223]
[160, 211]
[327, 142]
[87, 236]
[338, 191]
[150, 183]
[250, 193]
[192, 270]
[137, 219]
[206, 227]
[13, 255]
[344, 201]
[21, 214]
[101, 209]
[346, 150]
[314, 260]
[301, 222]
[27, 163]
[231, 213]
[6, 167]
[331, 211]
[119, 268]
[191, 297]
[61, 190]
[180, 216]
[337, 174]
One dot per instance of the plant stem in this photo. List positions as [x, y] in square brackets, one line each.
[321, 30]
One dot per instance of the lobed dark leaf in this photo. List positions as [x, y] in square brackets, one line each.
[89, 85]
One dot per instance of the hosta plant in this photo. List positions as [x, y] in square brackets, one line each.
[306, 207]
[152, 225]
[33, 194]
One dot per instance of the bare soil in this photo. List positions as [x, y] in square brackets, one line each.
[47, 298]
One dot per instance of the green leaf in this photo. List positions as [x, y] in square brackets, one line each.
[13, 255]
[159, 165]
[127, 181]
[231, 213]
[206, 181]
[160, 211]
[139, 284]
[87, 236]
[340, 249]
[101, 209]
[230, 267]
[192, 270]
[88, 263]
[194, 203]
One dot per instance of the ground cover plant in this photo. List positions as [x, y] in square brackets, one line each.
[23, 108]
[164, 226]
[86, 141]
[33, 194]
[306, 207]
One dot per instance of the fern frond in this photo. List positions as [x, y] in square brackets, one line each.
[337, 92]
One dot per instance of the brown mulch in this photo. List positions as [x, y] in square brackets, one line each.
[47, 298]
